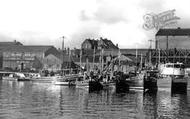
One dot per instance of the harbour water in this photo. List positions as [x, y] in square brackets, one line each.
[29, 100]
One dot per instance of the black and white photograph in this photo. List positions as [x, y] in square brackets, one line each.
[94, 59]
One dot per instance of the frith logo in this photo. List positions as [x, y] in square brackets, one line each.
[161, 20]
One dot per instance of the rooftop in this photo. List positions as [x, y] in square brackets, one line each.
[108, 44]
[21, 48]
[13, 43]
[173, 32]
[38, 48]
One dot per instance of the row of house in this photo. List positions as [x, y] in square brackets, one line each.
[16, 56]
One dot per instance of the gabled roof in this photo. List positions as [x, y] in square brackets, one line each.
[173, 32]
[38, 48]
[21, 48]
[10, 43]
[107, 44]
[94, 43]
[14, 49]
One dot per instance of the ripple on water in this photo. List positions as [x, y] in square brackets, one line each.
[41, 101]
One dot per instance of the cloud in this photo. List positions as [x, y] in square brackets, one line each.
[106, 12]
[90, 29]
[83, 16]
[94, 22]
[118, 20]
[5, 38]
[28, 37]
[109, 14]
[152, 5]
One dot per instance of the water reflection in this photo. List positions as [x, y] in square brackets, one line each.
[41, 101]
[150, 104]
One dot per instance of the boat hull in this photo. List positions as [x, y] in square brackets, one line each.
[44, 79]
[150, 84]
[64, 80]
[179, 84]
[164, 83]
[64, 83]
[122, 86]
[9, 78]
[108, 85]
[95, 86]
[173, 83]
[81, 84]
[24, 79]
[136, 83]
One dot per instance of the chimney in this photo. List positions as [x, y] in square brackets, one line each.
[117, 45]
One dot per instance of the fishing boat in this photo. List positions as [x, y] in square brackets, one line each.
[136, 82]
[15, 76]
[44, 79]
[35, 75]
[82, 82]
[174, 76]
[10, 76]
[108, 84]
[170, 69]
[69, 80]
[23, 77]
[121, 82]
[150, 80]
[64, 82]
[90, 83]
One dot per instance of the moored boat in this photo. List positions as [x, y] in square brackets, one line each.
[121, 84]
[82, 83]
[69, 80]
[174, 77]
[48, 79]
[10, 76]
[64, 82]
[179, 83]
[172, 69]
[150, 80]
[136, 82]
[15, 76]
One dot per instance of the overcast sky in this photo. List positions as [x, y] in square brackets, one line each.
[44, 22]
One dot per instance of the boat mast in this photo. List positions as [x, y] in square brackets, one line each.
[158, 55]
[150, 53]
[119, 56]
[136, 58]
[69, 61]
[93, 57]
[80, 59]
[102, 59]
[62, 54]
[141, 63]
